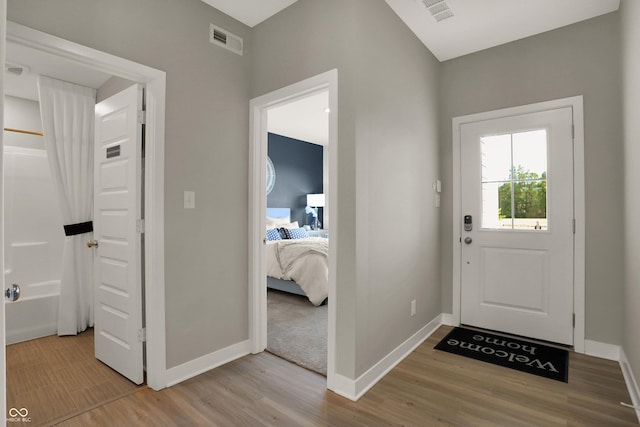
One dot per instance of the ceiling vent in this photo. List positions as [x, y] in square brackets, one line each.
[224, 38]
[439, 9]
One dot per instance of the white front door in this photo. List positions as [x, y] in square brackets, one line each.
[117, 211]
[517, 225]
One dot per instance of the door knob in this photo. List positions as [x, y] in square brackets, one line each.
[92, 243]
[12, 293]
[468, 240]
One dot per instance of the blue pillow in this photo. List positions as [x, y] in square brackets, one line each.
[273, 234]
[295, 233]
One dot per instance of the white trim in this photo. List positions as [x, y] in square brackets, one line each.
[355, 389]
[576, 104]
[154, 175]
[602, 350]
[630, 380]
[259, 106]
[3, 365]
[447, 319]
[207, 362]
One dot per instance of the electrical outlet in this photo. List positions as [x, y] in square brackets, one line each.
[413, 308]
[189, 199]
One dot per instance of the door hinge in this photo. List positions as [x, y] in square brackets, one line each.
[574, 320]
[142, 335]
[140, 226]
[573, 132]
[574, 226]
[142, 117]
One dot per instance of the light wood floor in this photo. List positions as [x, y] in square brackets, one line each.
[429, 388]
[58, 377]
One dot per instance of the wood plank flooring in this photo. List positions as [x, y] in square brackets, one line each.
[429, 388]
[58, 377]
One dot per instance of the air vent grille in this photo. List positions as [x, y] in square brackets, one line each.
[439, 9]
[221, 37]
[17, 69]
[444, 15]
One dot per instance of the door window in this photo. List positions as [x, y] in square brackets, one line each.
[514, 181]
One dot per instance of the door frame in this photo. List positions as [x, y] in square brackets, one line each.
[155, 84]
[3, 342]
[576, 104]
[259, 107]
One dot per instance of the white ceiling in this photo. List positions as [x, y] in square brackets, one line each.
[476, 25]
[305, 119]
[36, 62]
[250, 12]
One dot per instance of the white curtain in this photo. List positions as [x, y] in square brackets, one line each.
[67, 112]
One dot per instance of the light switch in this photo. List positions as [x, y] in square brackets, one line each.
[189, 199]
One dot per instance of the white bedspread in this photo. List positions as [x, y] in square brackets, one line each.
[303, 261]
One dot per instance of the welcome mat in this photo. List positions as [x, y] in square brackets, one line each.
[533, 358]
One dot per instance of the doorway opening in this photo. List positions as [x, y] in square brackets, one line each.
[297, 303]
[521, 238]
[263, 110]
[86, 61]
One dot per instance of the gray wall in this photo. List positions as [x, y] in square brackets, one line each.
[388, 157]
[630, 12]
[207, 110]
[581, 59]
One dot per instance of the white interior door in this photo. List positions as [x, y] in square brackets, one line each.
[518, 225]
[117, 209]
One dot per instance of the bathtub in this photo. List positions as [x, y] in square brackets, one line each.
[34, 239]
[35, 314]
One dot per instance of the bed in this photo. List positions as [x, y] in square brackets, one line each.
[296, 265]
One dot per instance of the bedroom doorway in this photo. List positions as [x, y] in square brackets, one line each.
[297, 305]
[278, 115]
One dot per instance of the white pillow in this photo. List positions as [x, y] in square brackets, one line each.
[278, 222]
[293, 224]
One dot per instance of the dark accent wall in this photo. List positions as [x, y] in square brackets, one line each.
[298, 166]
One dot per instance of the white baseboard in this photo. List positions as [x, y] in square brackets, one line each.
[602, 350]
[206, 363]
[630, 379]
[447, 319]
[355, 389]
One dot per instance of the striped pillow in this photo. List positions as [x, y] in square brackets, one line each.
[295, 233]
[273, 234]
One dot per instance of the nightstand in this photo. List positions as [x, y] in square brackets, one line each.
[318, 233]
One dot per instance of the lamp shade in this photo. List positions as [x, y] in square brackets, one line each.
[315, 200]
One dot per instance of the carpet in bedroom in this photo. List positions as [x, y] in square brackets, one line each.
[297, 330]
